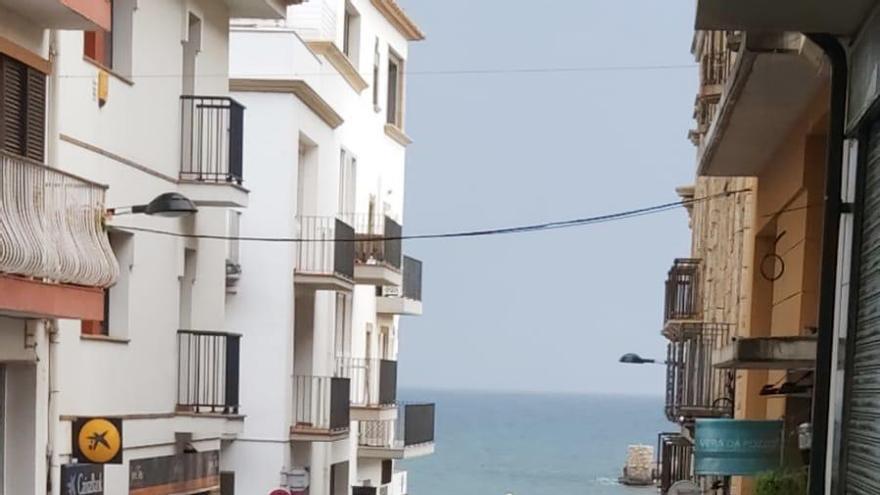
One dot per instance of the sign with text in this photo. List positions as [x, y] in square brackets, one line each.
[97, 440]
[736, 447]
[82, 479]
[181, 473]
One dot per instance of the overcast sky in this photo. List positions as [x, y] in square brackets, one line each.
[545, 311]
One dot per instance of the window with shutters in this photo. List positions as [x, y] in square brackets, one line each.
[22, 109]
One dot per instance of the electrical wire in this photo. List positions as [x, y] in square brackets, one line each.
[437, 72]
[563, 224]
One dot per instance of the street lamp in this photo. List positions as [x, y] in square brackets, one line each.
[633, 358]
[170, 204]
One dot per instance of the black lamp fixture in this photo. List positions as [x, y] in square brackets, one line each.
[170, 204]
[633, 358]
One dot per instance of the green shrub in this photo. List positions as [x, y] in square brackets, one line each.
[782, 483]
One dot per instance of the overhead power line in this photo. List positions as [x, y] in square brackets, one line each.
[563, 224]
[437, 72]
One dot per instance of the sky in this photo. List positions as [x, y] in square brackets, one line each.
[548, 311]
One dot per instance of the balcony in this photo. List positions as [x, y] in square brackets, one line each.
[373, 387]
[405, 300]
[325, 257]
[259, 9]
[675, 461]
[81, 15]
[211, 150]
[683, 301]
[208, 366]
[320, 409]
[410, 435]
[55, 257]
[695, 388]
[397, 486]
[378, 250]
[755, 87]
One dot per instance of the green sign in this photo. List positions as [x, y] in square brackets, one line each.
[736, 447]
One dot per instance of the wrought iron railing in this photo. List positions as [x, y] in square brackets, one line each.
[211, 140]
[675, 460]
[377, 240]
[414, 426]
[694, 387]
[326, 247]
[683, 301]
[321, 403]
[208, 367]
[51, 225]
[716, 52]
[373, 380]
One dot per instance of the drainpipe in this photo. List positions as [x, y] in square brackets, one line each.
[53, 476]
[828, 280]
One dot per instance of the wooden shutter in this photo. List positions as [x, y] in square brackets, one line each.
[862, 401]
[22, 109]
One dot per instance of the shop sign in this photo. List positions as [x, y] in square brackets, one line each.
[82, 479]
[736, 447]
[97, 440]
[180, 473]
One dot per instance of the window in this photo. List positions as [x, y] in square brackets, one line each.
[395, 90]
[376, 77]
[347, 181]
[116, 298]
[113, 49]
[22, 109]
[351, 33]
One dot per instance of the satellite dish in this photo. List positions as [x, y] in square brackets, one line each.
[684, 487]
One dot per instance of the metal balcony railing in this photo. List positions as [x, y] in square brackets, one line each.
[675, 460]
[377, 240]
[412, 282]
[208, 367]
[716, 53]
[327, 247]
[373, 381]
[321, 403]
[414, 426]
[683, 301]
[694, 387]
[212, 139]
[51, 225]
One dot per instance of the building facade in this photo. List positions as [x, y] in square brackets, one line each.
[131, 162]
[785, 111]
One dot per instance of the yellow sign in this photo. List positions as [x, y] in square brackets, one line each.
[98, 440]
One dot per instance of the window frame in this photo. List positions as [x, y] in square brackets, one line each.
[394, 89]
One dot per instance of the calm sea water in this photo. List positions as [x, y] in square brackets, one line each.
[532, 444]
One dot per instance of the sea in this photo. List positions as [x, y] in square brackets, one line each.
[532, 444]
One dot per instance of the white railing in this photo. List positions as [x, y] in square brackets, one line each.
[51, 225]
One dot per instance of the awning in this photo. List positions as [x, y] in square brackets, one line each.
[768, 353]
[775, 79]
[806, 16]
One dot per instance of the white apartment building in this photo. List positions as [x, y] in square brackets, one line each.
[111, 103]
[325, 147]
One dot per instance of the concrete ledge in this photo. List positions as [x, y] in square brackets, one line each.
[768, 353]
[301, 433]
[398, 306]
[378, 274]
[312, 281]
[397, 453]
[204, 193]
[374, 413]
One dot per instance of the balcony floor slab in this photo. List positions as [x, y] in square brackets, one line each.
[768, 353]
